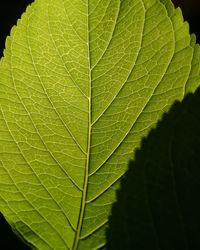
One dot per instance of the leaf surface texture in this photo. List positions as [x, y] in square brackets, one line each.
[81, 83]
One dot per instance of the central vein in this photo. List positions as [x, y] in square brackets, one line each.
[85, 185]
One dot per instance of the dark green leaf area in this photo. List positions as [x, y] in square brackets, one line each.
[158, 203]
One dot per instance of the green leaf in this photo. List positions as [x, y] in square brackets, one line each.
[81, 83]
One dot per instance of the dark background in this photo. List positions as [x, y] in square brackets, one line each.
[191, 13]
[158, 202]
[10, 11]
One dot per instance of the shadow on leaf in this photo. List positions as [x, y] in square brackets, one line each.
[158, 203]
[9, 239]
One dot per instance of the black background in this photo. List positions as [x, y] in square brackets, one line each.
[10, 11]
[158, 202]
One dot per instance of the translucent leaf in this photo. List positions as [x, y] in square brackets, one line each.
[81, 83]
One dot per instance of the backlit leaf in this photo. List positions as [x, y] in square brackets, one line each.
[81, 83]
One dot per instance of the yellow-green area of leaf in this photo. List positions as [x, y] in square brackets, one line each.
[81, 83]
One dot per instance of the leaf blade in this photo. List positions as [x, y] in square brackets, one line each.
[80, 84]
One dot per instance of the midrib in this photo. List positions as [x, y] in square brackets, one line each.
[85, 186]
